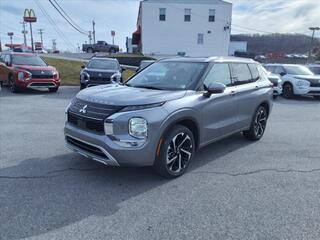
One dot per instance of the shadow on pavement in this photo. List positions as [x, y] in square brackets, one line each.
[41, 195]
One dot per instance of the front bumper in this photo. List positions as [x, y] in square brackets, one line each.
[277, 90]
[39, 84]
[103, 149]
[307, 91]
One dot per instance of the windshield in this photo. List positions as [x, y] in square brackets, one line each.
[298, 70]
[168, 75]
[103, 64]
[28, 60]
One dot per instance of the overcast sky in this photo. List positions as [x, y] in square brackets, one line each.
[249, 16]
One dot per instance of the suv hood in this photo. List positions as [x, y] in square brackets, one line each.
[307, 77]
[119, 95]
[29, 67]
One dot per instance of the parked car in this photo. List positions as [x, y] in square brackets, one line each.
[26, 70]
[144, 64]
[277, 84]
[100, 71]
[164, 113]
[296, 80]
[100, 46]
[315, 68]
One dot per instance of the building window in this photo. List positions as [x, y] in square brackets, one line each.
[162, 14]
[187, 15]
[200, 38]
[212, 15]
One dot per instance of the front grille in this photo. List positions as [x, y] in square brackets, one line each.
[93, 117]
[46, 74]
[100, 77]
[86, 123]
[86, 147]
[314, 84]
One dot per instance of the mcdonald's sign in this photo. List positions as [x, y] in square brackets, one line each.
[29, 15]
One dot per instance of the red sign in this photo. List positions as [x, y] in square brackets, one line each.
[113, 33]
[29, 15]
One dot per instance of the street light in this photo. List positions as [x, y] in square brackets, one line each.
[313, 29]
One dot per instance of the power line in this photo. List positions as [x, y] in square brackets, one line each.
[74, 23]
[80, 31]
[54, 26]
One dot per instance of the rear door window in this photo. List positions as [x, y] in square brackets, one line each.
[241, 73]
[254, 72]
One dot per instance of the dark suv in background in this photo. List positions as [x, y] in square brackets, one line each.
[100, 71]
[167, 111]
[27, 71]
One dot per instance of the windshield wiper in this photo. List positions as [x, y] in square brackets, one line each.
[147, 87]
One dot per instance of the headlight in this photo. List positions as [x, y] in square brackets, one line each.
[141, 107]
[303, 83]
[84, 77]
[116, 77]
[138, 127]
[24, 75]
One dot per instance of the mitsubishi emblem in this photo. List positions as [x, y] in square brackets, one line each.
[84, 109]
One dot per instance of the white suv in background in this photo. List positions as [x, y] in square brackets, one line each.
[296, 80]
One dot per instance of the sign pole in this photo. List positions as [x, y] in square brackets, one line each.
[32, 46]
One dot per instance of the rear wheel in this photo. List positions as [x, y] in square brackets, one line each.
[176, 151]
[89, 50]
[258, 125]
[12, 85]
[288, 90]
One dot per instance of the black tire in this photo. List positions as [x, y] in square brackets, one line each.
[258, 124]
[53, 89]
[275, 97]
[12, 85]
[176, 152]
[287, 91]
[89, 50]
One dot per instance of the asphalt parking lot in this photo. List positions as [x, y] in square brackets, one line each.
[235, 189]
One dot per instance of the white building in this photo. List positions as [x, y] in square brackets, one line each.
[190, 27]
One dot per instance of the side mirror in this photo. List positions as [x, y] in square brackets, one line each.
[83, 66]
[282, 74]
[214, 88]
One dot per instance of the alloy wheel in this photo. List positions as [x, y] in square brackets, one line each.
[179, 152]
[260, 122]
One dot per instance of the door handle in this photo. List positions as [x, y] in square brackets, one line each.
[232, 93]
[256, 87]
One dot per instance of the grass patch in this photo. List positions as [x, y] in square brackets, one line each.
[70, 71]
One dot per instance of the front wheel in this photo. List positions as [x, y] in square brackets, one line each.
[12, 85]
[177, 149]
[288, 91]
[258, 125]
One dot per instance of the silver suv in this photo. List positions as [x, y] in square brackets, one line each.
[162, 115]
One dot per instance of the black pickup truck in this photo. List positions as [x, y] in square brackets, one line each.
[100, 46]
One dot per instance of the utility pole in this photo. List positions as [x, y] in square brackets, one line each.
[24, 32]
[90, 37]
[93, 32]
[32, 46]
[41, 32]
[313, 29]
[54, 45]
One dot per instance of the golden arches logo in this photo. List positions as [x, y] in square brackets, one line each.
[29, 15]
